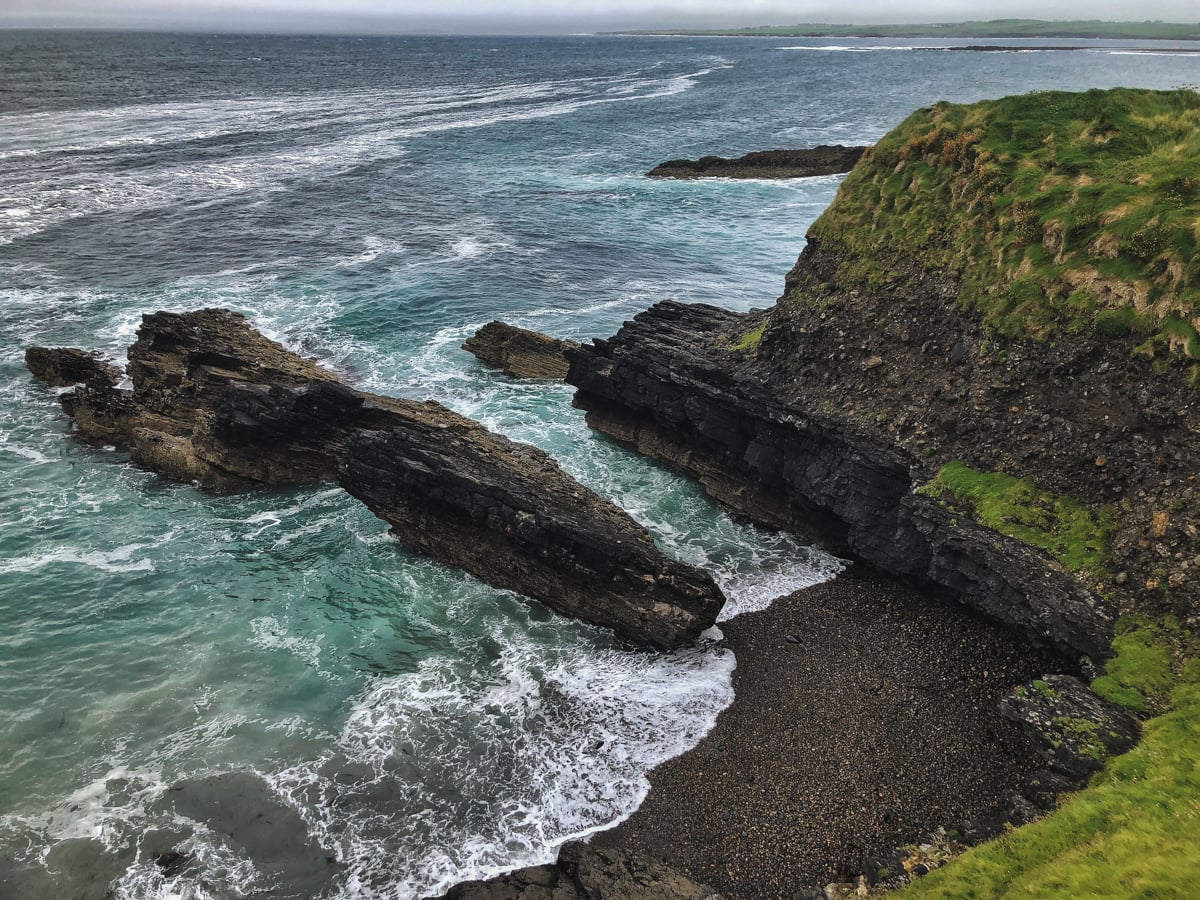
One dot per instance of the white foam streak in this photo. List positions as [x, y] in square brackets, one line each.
[365, 125]
[567, 730]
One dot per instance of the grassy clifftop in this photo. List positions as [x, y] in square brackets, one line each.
[1058, 213]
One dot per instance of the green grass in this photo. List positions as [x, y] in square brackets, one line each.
[1059, 213]
[1150, 657]
[1066, 529]
[1134, 831]
[996, 28]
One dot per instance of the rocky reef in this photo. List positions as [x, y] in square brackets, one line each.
[520, 353]
[215, 402]
[823, 160]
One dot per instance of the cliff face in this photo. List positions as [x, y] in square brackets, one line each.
[1007, 292]
[214, 401]
[668, 385]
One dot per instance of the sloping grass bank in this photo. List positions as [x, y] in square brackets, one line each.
[1134, 832]
[1057, 212]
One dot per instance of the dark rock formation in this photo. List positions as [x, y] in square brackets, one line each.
[586, 873]
[66, 367]
[822, 160]
[670, 385]
[214, 401]
[519, 352]
[1073, 729]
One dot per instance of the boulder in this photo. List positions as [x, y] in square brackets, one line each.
[586, 873]
[215, 402]
[1072, 728]
[66, 367]
[519, 352]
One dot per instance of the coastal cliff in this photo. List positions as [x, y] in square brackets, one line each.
[982, 378]
[215, 402]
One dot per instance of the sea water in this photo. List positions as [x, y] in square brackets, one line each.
[266, 683]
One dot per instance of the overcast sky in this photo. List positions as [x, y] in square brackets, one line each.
[549, 15]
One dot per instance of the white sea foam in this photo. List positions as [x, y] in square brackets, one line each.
[356, 126]
[119, 560]
[474, 771]
[845, 48]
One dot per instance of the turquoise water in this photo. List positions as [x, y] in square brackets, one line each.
[374, 201]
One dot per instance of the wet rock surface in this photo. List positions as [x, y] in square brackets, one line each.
[519, 352]
[866, 717]
[672, 385]
[804, 163]
[587, 873]
[215, 402]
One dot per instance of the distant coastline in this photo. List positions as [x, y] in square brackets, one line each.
[995, 28]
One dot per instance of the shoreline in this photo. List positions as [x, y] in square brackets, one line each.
[864, 718]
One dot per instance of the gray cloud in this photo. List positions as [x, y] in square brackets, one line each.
[544, 15]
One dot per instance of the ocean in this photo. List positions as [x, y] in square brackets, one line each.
[265, 685]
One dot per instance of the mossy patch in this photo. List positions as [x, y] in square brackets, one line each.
[1150, 657]
[1065, 528]
[1058, 213]
[750, 340]
[1132, 833]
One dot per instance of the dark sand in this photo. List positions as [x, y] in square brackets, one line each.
[877, 728]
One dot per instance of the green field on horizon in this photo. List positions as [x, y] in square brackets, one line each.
[994, 28]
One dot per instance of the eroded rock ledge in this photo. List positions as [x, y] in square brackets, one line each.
[823, 160]
[520, 353]
[215, 402]
[669, 385]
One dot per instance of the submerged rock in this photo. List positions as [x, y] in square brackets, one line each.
[823, 160]
[215, 402]
[583, 873]
[519, 352]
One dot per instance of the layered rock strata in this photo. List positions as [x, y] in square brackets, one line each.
[823, 160]
[215, 402]
[671, 385]
[520, 353]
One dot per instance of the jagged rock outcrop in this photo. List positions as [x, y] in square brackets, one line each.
[216, 402]
[66, 366]
[670, 385]
[587, 873]
[519, 352]
[823, 160]
[1073, 729]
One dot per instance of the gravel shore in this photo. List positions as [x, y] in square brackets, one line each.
[865, 717]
